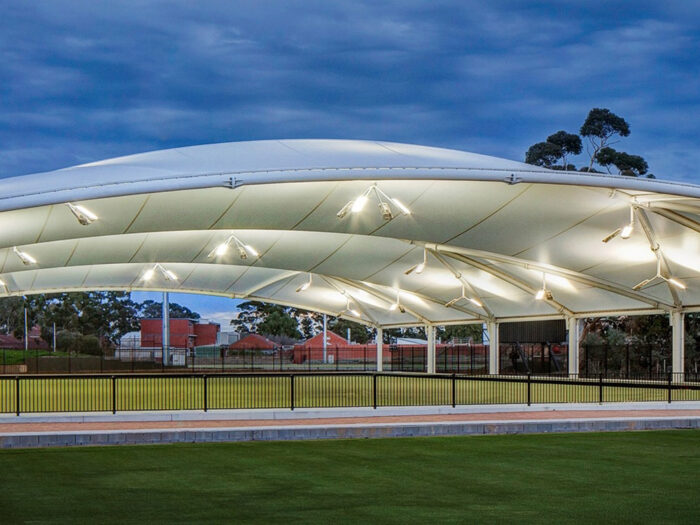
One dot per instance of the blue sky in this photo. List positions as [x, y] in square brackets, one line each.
[87, 80]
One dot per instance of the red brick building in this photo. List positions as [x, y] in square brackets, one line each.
[184, 333]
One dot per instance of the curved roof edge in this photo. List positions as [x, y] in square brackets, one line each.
[269, 162]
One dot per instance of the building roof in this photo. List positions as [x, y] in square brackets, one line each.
[253, 341]
[492, 226]
[317, 340]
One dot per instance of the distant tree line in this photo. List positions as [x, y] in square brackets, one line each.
[270, 319]
[86, 322]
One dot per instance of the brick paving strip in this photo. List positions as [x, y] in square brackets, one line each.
[34, 427]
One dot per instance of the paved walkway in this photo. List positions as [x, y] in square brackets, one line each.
[98, 429]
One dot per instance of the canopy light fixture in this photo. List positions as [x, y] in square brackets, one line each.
[659, 276]
[625, 231]
[384, 202]
[397, 305]
[3, 284]
[243, 249]
[24, 256]
[463, 296]
[84, 216]
[351, 310]
[304, 286]
[418, 268]
[543, 293]
[167, 274]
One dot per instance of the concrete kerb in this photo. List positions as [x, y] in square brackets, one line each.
[345, 431]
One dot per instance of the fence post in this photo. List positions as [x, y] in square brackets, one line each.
[529, 384]
[670, 376]
[600, 388]
[291, 391]
[454, 390]
[17, 393]
[114, 395]
[374, 391]
[205, 391]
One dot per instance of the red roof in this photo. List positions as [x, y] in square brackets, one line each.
[253, 341]
[317, 340]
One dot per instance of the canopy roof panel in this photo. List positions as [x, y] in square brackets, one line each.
[491, 232]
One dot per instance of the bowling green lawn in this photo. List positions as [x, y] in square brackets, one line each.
[632, 477]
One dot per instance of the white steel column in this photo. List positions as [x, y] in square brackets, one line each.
[430, 331]
[573, 325]
[380, 353]
[325, 340]
[678, 344]
[493, 348]
[165, 325]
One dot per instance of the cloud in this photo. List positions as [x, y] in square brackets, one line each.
[82, 80]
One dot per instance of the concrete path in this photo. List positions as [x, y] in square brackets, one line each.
[42, 430]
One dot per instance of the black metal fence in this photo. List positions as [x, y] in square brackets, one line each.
[134, 392]
[629, 361]
[533, 358]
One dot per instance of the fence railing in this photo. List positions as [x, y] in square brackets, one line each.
[130, 392]
[629, 361]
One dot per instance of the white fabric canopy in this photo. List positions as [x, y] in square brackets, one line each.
[500, 229]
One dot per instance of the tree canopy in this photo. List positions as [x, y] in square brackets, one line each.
[600, 129]
[106, 316]
[154, 310]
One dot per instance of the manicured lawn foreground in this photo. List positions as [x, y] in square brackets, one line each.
[631, 477]
[91, 393]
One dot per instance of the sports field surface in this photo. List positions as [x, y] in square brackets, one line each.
[642, 477]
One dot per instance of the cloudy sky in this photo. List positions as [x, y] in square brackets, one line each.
[86, 80]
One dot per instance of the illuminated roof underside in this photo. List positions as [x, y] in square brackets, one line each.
[335, 226]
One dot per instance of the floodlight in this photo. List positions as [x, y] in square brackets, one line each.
[84, 216]
[397, 305]
[24, 256]
[401, 206]
[675, 282]
[543, 293]
[243, 249]
[418, 268]
[625, 231]
[454, 301]
[386, 211]
[668, 278]
[168, 275]
[304, 286]
[359, 204]
[384, 202]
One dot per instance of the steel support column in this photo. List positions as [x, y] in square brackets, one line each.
[573, 325]
[380, 353]
[165, 325]
[493, 348]
[678, 344]
[430, 332]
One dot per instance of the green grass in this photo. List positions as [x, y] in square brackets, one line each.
[71, 394]
[18, 357]
[631, 477]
